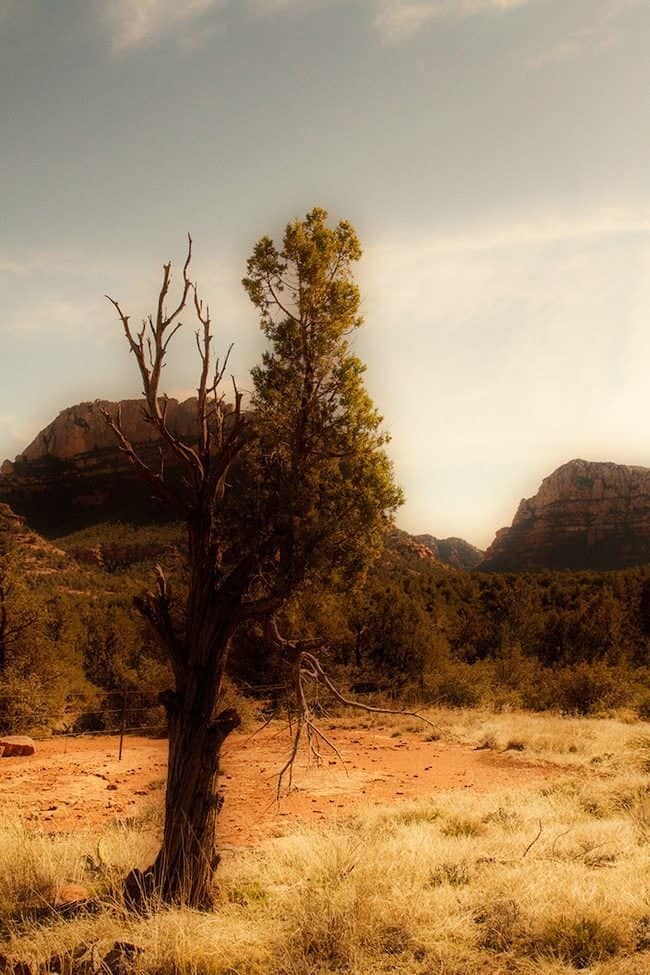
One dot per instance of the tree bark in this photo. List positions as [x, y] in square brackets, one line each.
[183, 872]
[185, 866]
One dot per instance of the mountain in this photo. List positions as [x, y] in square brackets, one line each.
[455, 552]
[73, 477]
[73, 474]
[586, 515]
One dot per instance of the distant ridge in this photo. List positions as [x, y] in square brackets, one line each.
[455, 552]
[586, 515]
[73, 476]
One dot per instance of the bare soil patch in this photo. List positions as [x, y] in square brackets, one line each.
[78, 783]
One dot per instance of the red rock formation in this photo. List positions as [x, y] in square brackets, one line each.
[586, 515]
[73, 473]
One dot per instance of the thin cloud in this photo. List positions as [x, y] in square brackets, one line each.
[399, 20]
[540, 230]
[601, 32]
[135, 23]
[8, 266]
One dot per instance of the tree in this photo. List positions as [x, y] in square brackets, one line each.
[299, 487]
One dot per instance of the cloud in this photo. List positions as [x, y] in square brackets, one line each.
[135, 23]
[599, 33]
[540, 230]
[58, 314]
[400, 19]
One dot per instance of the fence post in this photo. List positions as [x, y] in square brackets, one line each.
[122, 724]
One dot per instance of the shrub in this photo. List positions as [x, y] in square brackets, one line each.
[584, 688]
[458, 686]
[643, 709]
[580, 689]
[579, 941]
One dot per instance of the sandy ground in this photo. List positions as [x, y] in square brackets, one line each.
[78, 783]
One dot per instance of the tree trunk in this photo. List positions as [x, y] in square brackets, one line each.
[184, 869]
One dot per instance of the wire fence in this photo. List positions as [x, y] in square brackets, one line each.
[110, 713]
[122, 712]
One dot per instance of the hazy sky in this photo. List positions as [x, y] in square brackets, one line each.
[494, 156]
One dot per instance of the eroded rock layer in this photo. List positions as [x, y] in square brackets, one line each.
[586, 515]
[73, 474]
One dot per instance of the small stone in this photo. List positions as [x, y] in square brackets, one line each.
[58, 895]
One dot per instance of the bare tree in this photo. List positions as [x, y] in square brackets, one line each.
[198, 648]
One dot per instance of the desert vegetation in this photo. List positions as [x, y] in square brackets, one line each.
[548, 879]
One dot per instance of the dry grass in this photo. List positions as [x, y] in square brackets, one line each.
[548, 882]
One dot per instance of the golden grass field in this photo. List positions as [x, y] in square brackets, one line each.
[544, 879]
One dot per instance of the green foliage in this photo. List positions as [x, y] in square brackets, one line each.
[325, 481]
[41, 659]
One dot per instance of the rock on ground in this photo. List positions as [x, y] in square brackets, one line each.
[12, 745]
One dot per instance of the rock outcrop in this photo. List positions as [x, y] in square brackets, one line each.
[73, 469]
[586, 515]
[81, 430]
[455, 552]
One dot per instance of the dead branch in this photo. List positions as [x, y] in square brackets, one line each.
[149, 345]
[306, 669]
[532, 842]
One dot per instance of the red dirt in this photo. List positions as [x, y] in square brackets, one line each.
[78, 783]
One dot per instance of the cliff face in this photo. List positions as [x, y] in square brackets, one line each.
[82, 430]
[73, 474]
[586, 515]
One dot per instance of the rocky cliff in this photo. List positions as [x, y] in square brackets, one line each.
[73, 474]
[586, 515]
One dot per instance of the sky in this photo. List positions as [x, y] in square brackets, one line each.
[493, 156]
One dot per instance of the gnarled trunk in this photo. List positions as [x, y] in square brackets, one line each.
[183, 871]
[185, 866]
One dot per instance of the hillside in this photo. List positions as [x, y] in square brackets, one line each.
[455, 552]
